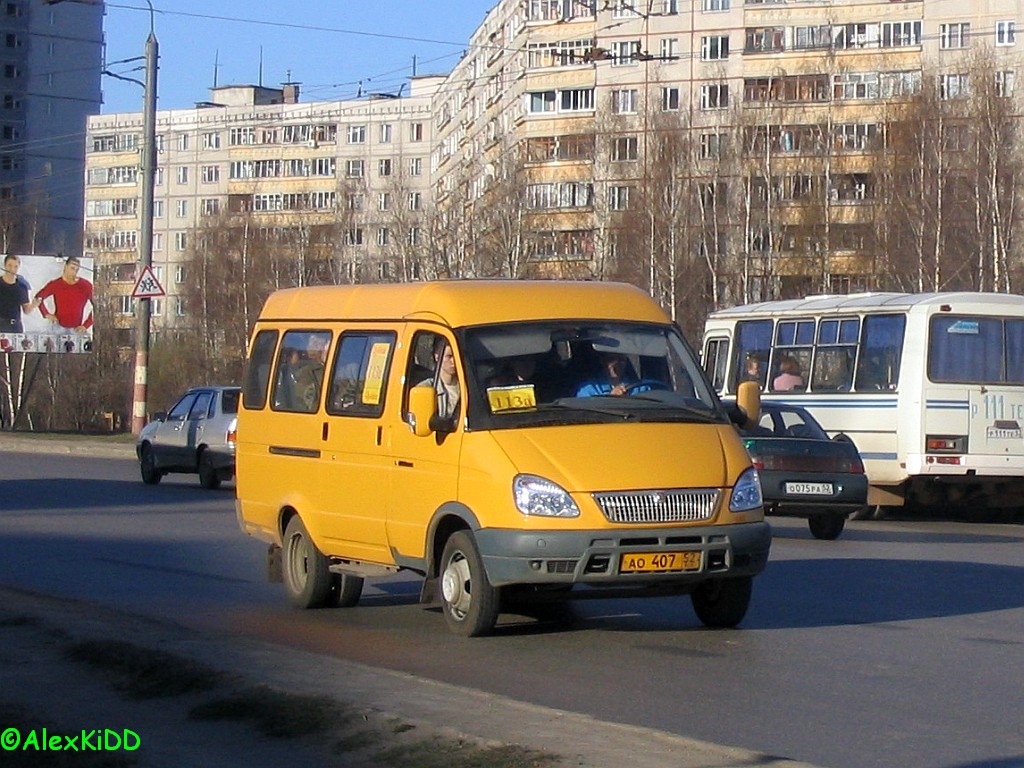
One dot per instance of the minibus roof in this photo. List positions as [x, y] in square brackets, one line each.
[859, 302]
[460, 303]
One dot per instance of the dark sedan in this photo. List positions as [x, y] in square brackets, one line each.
[803, 472]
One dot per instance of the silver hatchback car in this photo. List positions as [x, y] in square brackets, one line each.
[196, 435]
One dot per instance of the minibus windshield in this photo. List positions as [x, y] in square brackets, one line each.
[560, 372]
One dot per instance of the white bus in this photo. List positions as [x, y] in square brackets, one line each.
[930, 387]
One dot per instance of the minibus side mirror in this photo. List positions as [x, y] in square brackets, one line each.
[748, 397]
[422, 410]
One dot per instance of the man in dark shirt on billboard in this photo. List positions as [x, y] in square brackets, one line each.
[13, 296]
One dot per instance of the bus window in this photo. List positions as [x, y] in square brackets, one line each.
[792, 359]
[1015, 351]
[878, 367]
[965, 349]
[753, 341]
[716, 359]
[835, 355]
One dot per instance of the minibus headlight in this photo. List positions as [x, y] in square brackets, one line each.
[746, 494]
[537, 496]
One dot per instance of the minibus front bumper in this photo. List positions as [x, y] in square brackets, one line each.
[624, 558]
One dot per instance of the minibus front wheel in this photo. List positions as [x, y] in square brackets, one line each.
[469, 601]
[722, 603]
[306, 576]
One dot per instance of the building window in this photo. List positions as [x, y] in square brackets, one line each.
[711, 145]
[624, 9]
[182, 174]
[897, 34]
[1004, 83]
[625, 148]
[765, 39]
[354, 169]
[415, 201]
[383, 236]
[125, 305]
[416, 166]
[180, 241]
[715, 5]
[416, 132]
[954, 35]
[181, 209]
[625, 52]
[1006, 32]
[624, 101]
[714, 96]
[670, 48]
[179, 273]
[669, 99]
[180, 306]
[210, 174]
[210, 206]
[618, 198]
[384, 201]
[357, 134]
[384, 167]
[669, 7]
[714, 47]
[182, 142]
[953, 86]
[211, 140]
[241, 136]
[158, 209]
[354, 236]
[385, 133]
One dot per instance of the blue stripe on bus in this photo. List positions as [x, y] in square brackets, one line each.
[878, 456]
[948, 405]
[811, 402]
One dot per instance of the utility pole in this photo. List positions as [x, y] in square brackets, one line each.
[140, 389]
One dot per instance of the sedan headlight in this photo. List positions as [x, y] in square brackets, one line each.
[746, 494]
[537, 496]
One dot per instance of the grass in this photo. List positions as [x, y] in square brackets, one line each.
[275, 713]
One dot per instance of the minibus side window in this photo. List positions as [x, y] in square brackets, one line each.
[300, 371]
[716, 358]
[425, 369]
[835, 354]
[360, 373]
[257, 376]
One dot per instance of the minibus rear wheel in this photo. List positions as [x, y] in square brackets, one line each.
[722, 603]
[306, 577]
[469, 601]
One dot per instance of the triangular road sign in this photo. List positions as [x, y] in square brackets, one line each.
[147, 286]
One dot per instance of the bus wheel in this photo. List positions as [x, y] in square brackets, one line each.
[469, 601]
[826, 527]
[722, 603]
[306, 578]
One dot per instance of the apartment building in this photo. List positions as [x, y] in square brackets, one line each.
[50, 62]
[341, 184]
[772, 105]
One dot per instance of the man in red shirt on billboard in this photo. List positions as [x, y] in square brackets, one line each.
[71, 294]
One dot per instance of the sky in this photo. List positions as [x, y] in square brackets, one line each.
[335, 49]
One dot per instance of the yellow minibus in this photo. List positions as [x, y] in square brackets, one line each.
[499, 438]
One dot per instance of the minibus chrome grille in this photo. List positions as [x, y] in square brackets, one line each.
[658, 506]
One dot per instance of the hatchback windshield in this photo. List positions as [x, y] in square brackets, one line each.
[562, 373]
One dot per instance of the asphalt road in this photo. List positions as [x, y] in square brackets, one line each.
[900, 644]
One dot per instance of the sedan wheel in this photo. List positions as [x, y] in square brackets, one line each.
[208, 476]
[147, 465]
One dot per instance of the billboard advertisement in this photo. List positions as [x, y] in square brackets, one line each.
[46, 304]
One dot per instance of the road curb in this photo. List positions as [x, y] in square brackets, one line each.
[581, 740]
